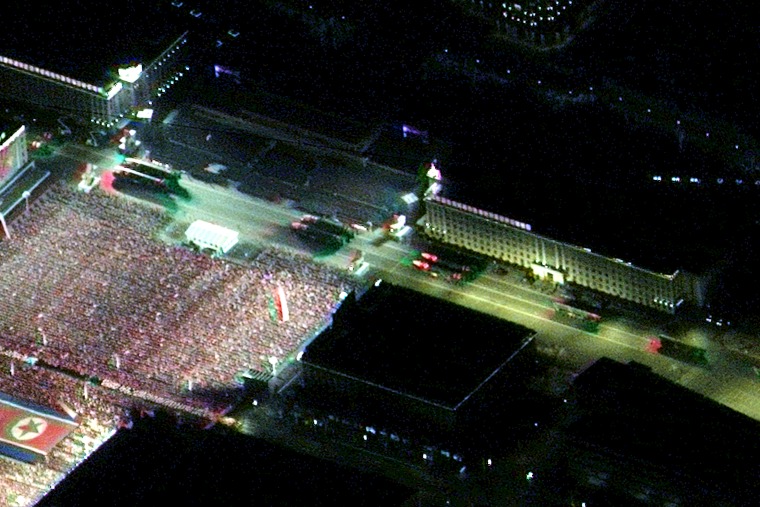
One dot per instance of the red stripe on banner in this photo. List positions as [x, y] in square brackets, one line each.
[31, 430]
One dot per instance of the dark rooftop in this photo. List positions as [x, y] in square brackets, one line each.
[157, 464]
[85, 40]
[630, 411]
[7, 127]
[416, 344]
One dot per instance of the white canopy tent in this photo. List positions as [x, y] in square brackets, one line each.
[212, 236]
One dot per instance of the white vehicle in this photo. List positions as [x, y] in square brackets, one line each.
[401, 233]
[358, 269]
[215, 168]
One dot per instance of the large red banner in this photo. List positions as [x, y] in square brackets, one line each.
[30, 429]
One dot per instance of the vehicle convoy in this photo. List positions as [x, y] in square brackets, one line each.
[323, 230]
[457, 272]
[149, 173]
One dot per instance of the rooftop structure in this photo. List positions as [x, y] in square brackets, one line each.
[13, 150]
[657, 229]
[153, 462]
[655, 440]
[86, 42]
[424, 356]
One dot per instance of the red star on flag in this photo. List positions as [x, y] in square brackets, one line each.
[28, 428]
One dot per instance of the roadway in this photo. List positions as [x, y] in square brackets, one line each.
[728, 379]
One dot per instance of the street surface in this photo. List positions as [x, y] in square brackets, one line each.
[728, 379]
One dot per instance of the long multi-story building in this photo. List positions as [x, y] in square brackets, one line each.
[515, 242]
[20, 178]
[543, 23]
[13, 151]
[102, 69]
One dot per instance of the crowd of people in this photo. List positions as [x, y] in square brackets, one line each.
[97, 411]
[91, 294]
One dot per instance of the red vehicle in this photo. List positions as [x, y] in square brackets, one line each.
[421, 265]
[429, 257]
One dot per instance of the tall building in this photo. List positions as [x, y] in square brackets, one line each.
[13, 150]
[20, 179]
[515, 242]
[541, 23]
[97, 64]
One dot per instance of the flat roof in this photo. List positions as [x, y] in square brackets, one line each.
[157, 461]
[661, 230]
[632, 411]
[83, 40]
[416, 344]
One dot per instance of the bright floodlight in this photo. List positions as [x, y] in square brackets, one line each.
[399, 223]
[145, 114]
[130, 74]
[116, 88]
[434, 172]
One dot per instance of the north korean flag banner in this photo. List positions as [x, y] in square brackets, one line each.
[25, 430]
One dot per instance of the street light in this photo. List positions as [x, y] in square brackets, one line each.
[26, 196]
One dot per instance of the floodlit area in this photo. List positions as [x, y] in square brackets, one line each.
[107, 318]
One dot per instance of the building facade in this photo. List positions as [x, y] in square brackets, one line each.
[536, 22]
[514, 242]
[13, 152]
[117, 97]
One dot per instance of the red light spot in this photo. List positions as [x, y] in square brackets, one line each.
[106, 182]
[654, 345]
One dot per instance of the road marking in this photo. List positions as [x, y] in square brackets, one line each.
[507, 308]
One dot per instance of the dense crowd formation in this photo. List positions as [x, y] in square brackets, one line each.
[92, 299]
[98, 410]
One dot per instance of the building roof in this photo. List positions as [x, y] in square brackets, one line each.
[208, 235]
[416, 344]
[155, 461]
[83, 40]
[630, 411]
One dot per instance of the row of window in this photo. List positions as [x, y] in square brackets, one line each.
[48, 74]
[521, 249]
